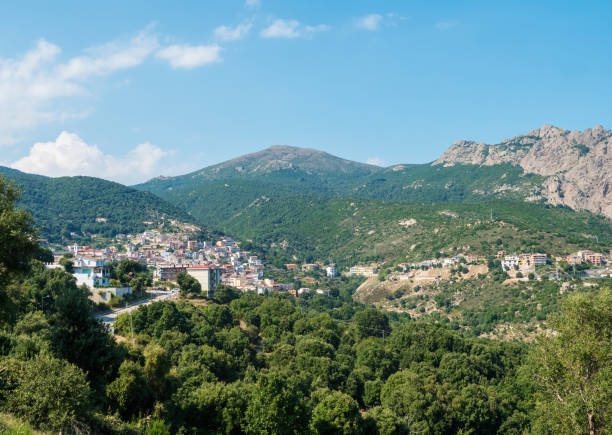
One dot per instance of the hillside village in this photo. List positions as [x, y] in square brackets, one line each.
[166, 255]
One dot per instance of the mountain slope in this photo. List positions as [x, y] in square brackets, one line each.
[349, 231]
[576, 165]
[86, 206]
[217, 193]
[284, 161]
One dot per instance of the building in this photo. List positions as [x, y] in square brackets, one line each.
[574, 259]
[596, 259]
[539, 259]
[192, 245]
[331, 271]
[169, 273]
[292, 267]
[307, 267]
[91, 271]
[363, 270]
[509, 262]
[208, 275]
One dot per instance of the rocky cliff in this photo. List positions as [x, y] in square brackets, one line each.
[577, 165]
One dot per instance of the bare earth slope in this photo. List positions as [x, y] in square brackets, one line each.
[577, 164]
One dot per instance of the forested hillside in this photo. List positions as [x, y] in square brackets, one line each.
[85, 206]
[351, 231]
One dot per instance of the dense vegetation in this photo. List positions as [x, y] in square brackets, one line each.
[274, 364]
[70, 207]
[216, 199]
[349, 231]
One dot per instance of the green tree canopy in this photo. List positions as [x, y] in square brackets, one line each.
[572, 366]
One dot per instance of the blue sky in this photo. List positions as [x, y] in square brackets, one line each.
[130, 90]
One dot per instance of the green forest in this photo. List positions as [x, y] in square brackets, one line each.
[68, 208]
[274, 364]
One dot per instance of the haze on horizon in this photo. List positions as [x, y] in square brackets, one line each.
[147, 88]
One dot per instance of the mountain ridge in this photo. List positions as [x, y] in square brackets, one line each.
[577, 165]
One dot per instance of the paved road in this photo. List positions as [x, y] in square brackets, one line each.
[111, 316]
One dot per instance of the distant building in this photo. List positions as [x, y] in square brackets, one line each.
[509, 262]
[321, 291]
[208, 275]
[363, 271]
[192, 245]
[596, 259]
[307, 267]
[169, 273]
[286, 287]
[331, 271]
[90, 271]
[539, 259]
[292, 267]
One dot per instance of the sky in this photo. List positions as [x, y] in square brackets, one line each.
[131, 90]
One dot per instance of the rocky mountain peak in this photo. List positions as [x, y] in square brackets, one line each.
[577, 166]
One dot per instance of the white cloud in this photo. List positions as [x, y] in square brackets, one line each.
[36, 86]
[369, 22]
[376, 161]
[190, 56]
[445, 25]
[69, 155]
[107, 58]
[225, 33]
[291, 29]
[252, 4]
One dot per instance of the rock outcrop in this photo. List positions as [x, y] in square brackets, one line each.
[577, 166]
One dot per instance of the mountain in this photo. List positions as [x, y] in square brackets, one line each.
[289, 162]
[576, 166]
[293, 201]
[87, 206]
[217, 193]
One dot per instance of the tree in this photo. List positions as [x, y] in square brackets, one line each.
[188, 284]
[337, 413]
[67, 262]
[224, 294]
[129, 393]
[278, 406]
[372, 323]
[157, 365]
[50, 393]
[19, 242]
[572, 367]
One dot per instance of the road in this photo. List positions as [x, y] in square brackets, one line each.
[156, 296]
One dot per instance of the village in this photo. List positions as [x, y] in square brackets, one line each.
[223, 261]
[168, 255]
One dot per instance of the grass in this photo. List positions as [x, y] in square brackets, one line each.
[11, 425]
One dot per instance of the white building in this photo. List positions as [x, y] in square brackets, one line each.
[363, 270]
[91, 271]
[331, 271]
[509, 262]
[208, 275]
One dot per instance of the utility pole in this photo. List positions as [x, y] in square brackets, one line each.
[131, 324]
